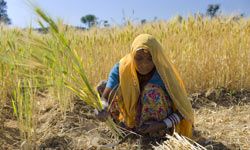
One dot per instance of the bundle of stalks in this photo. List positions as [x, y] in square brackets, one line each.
[65, 66]
[179, 142]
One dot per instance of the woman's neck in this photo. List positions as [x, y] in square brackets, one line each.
[143, 79]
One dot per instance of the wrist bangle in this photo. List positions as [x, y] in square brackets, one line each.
[168, 123]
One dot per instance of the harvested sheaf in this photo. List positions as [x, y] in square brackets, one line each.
[179, 142]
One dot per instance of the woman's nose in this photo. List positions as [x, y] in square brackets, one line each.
[144, 65]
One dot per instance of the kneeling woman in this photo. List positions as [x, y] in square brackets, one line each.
[149, 96]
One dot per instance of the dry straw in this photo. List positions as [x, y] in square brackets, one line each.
[179, 142]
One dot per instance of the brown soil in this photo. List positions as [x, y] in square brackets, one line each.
[222, 121]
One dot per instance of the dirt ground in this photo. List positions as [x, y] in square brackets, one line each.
[222, 121]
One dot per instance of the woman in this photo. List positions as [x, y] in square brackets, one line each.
[149, 96]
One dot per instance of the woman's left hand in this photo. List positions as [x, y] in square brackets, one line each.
[152, 127]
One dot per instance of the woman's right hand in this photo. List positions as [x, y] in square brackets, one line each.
[102, 115]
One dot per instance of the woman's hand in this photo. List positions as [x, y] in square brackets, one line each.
[102, 115]
[152, 127]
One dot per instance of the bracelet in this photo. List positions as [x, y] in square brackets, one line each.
[172, 120]
[168, 123]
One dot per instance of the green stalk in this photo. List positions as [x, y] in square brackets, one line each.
[78, 82]
[22, 103]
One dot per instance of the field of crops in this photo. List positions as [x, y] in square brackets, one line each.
[38, 109]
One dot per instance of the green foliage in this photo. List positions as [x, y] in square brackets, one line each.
[22, 103]
[90, 20]
[212, 10]
[3, 13]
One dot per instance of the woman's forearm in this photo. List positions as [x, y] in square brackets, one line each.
[106, 93]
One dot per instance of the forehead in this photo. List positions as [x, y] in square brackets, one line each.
[143, 52]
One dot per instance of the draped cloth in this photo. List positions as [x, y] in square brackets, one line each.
[129, 90]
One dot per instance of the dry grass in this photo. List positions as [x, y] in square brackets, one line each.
[178, 142]
[216, 126]
[230, 126]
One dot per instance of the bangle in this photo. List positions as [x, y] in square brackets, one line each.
[168, 123]
[172, 120]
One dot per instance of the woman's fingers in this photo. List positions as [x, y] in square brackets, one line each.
[102, 115]
[149, 122]
[150, 127]
[142, 129]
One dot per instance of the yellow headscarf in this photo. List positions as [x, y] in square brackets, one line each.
[129, 90]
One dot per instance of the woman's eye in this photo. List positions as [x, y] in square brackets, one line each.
[138, 58]
[150, 59]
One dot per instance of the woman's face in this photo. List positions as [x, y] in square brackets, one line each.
[143, 61]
